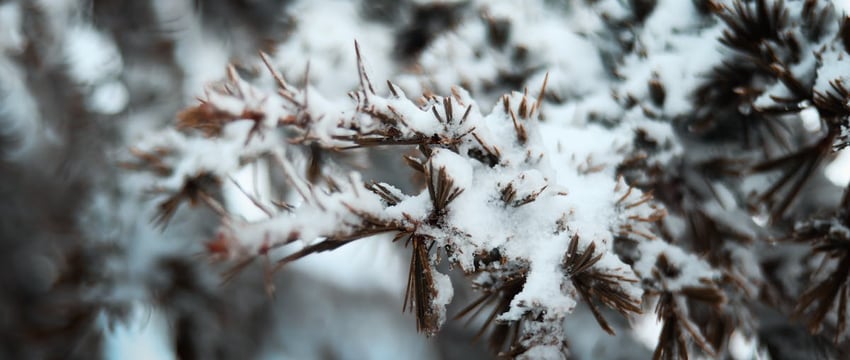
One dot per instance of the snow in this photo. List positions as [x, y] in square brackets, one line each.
[841, 6]
[665, 36]
[554, 46]
[835, 68]
[11, 38]
[19, 111]
[543, 353]
[444, 295]
[91, 55]
[109, 98]
[144, 337]
[325, 38]
[692, 271]
[810, 119]
[742, 347]
[202, 59]
[95, 62]
[645, 328]
[838, 171]
[458, 168]
[542, 290]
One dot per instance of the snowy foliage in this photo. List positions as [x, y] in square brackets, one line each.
[655, 167]
[511, 200]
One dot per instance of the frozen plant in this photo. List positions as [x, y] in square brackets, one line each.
[527, 210]
[582, 194]
[653, 167]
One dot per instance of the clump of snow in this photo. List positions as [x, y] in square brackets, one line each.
[95, 62]
[664, 36]
[91, 55]
[445, 292]
[690, 270]
[811, 119]
[108, 98]
[838, 171]
[460, 169]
